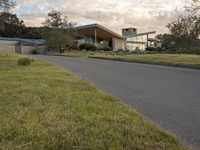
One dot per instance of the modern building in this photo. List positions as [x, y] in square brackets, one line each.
[102, 37]
[94, 34]
[135, 41]
[22, 46]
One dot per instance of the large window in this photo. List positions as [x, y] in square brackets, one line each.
[142, 38]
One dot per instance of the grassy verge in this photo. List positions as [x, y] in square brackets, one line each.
[163, 58]
[45, 107]
[78, 53]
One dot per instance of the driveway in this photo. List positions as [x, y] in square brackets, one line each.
[168, 96]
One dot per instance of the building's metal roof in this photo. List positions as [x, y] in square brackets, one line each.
[30, 42]
[90, 26]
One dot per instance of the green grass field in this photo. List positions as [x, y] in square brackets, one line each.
[165, 58]
[45, 107]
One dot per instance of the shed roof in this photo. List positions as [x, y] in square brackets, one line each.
[24, 41]
[101, 31]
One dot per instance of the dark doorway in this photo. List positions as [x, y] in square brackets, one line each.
[110, 44]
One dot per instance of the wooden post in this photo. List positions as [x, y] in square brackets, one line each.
[95, 36]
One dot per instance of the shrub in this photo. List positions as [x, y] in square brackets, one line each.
[87, 47]
[106, 48]
[23, 61]
[122, 52]
[156, 49]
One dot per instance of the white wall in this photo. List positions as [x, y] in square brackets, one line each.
[7, 48]
[118, 44]
[135, 46]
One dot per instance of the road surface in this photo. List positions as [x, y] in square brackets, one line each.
[168, 96]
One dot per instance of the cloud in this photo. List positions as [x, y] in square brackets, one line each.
[115, 14]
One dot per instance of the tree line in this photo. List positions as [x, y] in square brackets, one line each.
[59, 32]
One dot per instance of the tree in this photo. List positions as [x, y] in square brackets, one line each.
[5, 5]
[59, 32]
[194, 7]
[185, 26]
[11, 25]
[185, 30]
[55, 20]
[32, 32]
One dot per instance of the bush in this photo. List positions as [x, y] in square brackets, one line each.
[156, 49]
[122, 52]
[87, 47]
[106, 49]
[23, 61]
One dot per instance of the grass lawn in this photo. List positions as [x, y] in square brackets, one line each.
[165, 58]
[45, 107]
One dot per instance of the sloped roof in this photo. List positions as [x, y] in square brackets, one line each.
[24, 41]
[102, 32]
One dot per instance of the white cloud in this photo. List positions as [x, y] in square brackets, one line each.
[114, 14]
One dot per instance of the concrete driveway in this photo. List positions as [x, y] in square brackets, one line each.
[168, 96]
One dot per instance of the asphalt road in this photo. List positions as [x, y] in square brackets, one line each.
[168, 96]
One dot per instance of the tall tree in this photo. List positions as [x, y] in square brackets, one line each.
[185, 30]
[194, 7]
[12, 26]
[6, 5]
[59, 32]
[185, 26]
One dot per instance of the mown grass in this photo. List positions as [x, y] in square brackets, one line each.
[164, 58]
[75, 53]
[45, 107]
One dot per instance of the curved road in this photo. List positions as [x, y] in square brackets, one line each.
[168, 96]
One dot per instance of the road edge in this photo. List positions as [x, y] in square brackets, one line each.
[189, 66]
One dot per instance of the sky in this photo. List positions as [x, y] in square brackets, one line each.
[146, 15]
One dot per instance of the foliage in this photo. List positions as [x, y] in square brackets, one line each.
[59, 39]
[59, 32]
[174, 44]
[56, 20]
[106, 48]
[87, 46]
[184, 31]
[6, 5]
[194, 7]
[12, 26]
[156, 49]
[32, 32]
[23, 61]
[185, 27]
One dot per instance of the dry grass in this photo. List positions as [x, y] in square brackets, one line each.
[44, 107]
[166, 58]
